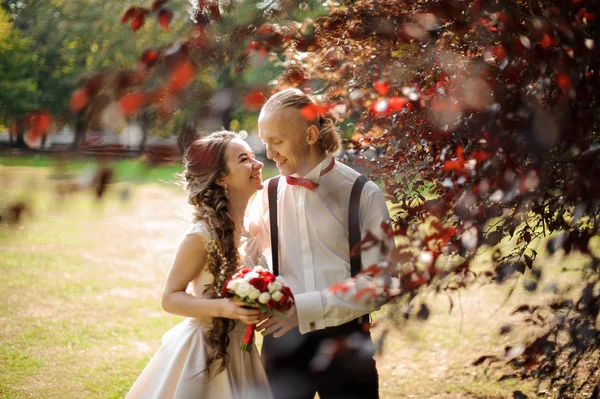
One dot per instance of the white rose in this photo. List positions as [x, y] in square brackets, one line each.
[264, 297]
[251, 275]
[242, 289]
[232, 285]
[259, 269]
[253, 294]
[275, 286]
[279, 279]
[277, 295]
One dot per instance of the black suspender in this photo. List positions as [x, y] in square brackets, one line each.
[353, 224]
[273, 183]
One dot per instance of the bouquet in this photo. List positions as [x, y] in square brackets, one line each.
[258, 286]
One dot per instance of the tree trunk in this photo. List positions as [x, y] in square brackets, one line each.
[80, 130]
[144, 124]
[19, 140]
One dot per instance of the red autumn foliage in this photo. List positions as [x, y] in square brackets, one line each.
[37, 124]
[254, 100]
[312, 111]
[164, 18]
[136, 15]
[181, 76]
[382, 87]
[131, 103]
[79, 99]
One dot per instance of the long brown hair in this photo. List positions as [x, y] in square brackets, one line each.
[205, 164]
[329, 139]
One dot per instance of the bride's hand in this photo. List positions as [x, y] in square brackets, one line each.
[237, 310]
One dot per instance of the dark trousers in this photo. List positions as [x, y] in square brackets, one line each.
[336, 362]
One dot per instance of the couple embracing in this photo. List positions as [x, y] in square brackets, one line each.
[303, 222]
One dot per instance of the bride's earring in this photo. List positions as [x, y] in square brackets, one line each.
[226, 187]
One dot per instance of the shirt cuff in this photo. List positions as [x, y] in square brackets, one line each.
[309, 307]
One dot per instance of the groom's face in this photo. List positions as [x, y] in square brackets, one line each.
[284, 133]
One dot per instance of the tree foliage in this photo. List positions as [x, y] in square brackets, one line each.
[487, 114]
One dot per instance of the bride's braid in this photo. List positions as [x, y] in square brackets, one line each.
[205, 164]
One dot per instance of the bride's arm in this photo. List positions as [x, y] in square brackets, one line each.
[189, 262]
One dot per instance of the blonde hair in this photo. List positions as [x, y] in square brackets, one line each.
[329, 138]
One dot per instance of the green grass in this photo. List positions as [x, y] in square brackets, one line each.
[80, 313]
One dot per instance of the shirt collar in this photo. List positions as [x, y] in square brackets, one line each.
[315, 174]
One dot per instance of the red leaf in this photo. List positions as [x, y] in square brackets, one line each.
[132, 102]
[459, 153]
[546, 41]
[130, 13]
[311, 111]
[453, 165]
[254, 100]
[382, 87]
[79, 99]
[479, 156]
[150, 57]
[136, 14]
[137, 22]
[182, 75]
[157, 4]
[265, 30]
[253, 45]
[397, 103]
[563, 81]
[164, 18]
[38, 124]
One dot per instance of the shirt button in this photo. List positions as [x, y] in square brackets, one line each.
[313, 326]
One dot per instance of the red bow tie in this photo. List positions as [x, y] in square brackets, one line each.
[311, 185]
[299, 181]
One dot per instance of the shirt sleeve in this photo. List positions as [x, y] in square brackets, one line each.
[319, 310]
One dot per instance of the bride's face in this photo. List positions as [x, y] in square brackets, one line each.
[244, 176]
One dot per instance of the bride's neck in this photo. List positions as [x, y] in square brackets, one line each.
[237, 209]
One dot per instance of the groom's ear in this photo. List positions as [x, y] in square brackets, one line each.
[312, 134]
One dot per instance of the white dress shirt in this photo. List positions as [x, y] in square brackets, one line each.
[313, 240]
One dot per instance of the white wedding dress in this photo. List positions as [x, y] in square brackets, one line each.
[177, 368]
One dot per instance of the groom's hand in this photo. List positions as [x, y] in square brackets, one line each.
[276, 326]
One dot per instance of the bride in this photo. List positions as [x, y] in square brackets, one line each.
[201, 356]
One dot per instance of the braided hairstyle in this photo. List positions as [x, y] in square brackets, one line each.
[205, 164]
[329, 139]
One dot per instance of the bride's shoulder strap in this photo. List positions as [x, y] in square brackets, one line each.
[200, 228]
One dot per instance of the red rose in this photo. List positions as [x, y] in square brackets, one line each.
[287, 292]
[243, 272]
[268, 276]
[259, 283]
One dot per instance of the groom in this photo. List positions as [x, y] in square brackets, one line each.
[322, 208]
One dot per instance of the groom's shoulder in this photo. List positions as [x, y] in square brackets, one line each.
[348, 176]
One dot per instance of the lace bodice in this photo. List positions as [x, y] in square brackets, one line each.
[249, 250]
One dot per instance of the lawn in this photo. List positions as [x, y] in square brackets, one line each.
[81, 282]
